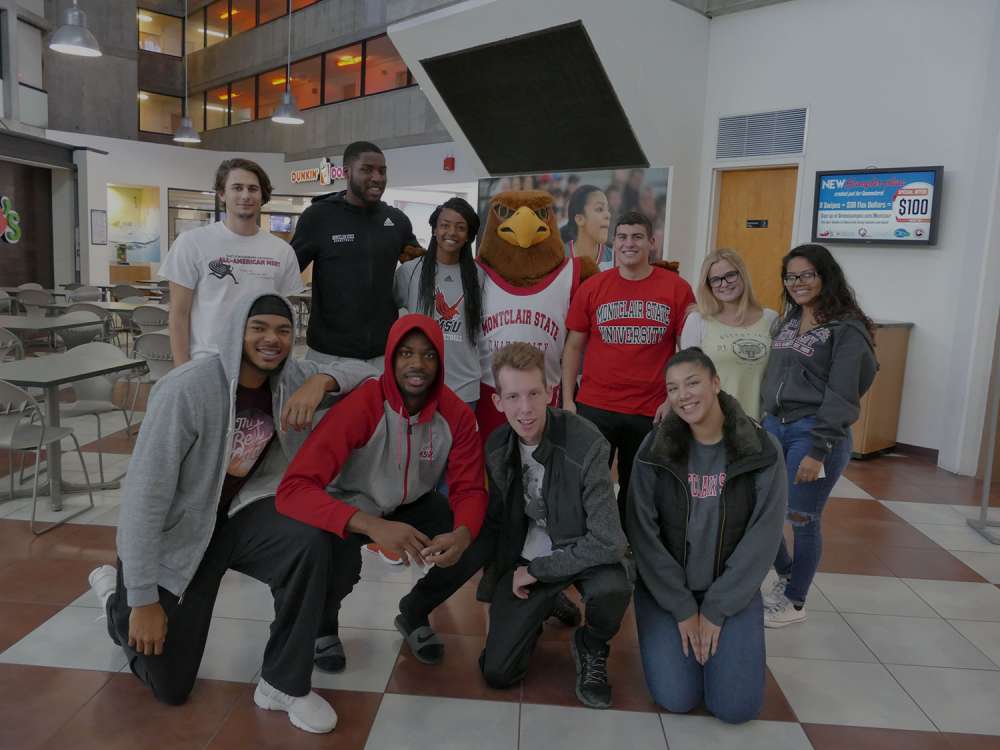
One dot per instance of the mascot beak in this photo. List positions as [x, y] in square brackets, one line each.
[524, 228]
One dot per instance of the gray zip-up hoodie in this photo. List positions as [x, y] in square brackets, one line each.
[170, 496]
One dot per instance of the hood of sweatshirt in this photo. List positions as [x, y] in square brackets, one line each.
[400, 329]
[230, 343]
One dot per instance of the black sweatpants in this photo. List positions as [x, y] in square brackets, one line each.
[431, 515]
[516, 624]
[290, 557]
[625, 432]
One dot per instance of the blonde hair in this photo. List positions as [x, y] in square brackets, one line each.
[708, 305]
[518, 356]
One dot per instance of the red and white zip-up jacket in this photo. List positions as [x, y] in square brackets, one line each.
[368, 453]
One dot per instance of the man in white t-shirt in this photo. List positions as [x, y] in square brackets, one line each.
[209, 267]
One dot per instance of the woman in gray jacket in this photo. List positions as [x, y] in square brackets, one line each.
[705, 509]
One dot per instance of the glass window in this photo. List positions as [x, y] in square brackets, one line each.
[217, 22]
[343, 74]
[159, 113]
[29, 55]
[306, 81]
[384, 68]
[271, 9]
[196, 111]
[272, 87]
[299, 4]
[243, 14]
[241, 101]
[160, 33]
[195, 31]
[216, 107]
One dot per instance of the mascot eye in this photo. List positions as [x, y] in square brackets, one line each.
[503, 211]
[542, 213]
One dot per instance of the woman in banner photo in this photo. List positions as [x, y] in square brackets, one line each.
[706, 506]
[731, 327]
[586, 231]
[822, 362]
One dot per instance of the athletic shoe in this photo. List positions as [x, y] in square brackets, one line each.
[103, 581]
[592, 687]
[776, 592]
[390, 557]
[328, 654]
[310, 712]
[564, 610]
[783, 613]
[422, 640]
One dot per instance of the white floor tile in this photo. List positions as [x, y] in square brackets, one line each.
[410, 722]
[373, 604]
[850, 693]
[959, 600]
[824, 635]
[957, 700]
[817, 599]
[918, 641]
[700, 732]
[925, 513]
[984, 635]
[962, 538]
[235, 649]
[74, 638]
[973, 511]
[845, 488]
[987, 564]
[371, 657]
[873, 595]
[571, 728]
[244, 598]
[70, 504]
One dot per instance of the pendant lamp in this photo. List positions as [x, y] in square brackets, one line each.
[73, 37]
[287, 113]
[186, 132]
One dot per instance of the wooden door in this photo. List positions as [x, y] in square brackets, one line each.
[756, 209]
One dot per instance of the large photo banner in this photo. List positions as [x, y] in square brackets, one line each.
[588, 204]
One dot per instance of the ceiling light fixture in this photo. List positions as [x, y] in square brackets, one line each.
[186, 132]
[145, 17]
[287, 113]
[73, 37]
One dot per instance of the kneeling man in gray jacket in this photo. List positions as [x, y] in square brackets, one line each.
[199, 499]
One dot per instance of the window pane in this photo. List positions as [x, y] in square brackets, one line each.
[216, 108]
[196, 111]
[384, 68]
[272, 86]
[241, 99]
[158, 113]
[159, 32]
[196, 31]
[305, 82]
[218, 22]
[271, 9]
[343, 74]
[243, 15]
[296, 4]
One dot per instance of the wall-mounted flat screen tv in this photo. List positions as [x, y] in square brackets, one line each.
[897, 206]
[281, 223]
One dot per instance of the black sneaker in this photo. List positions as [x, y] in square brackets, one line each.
[565, 611]
[592, 687]
[329, 655]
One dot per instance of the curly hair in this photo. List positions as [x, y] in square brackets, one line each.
[836, 297]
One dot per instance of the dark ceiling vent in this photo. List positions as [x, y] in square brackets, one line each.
[762, 134]
[537, 103]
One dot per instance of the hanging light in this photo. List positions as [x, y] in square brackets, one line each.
[186, 132]
[287, 113]
[73, 37]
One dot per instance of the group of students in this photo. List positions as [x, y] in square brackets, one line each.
[229, 473]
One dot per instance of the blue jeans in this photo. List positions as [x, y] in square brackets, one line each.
[805, 502]
[731, 683]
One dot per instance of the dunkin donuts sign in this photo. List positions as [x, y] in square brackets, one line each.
[324, 174]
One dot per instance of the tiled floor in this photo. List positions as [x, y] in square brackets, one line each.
[901, 648]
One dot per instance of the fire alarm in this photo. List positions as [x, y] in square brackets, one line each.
[449, 163]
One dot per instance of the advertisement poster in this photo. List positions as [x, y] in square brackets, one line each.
[588, 204]
[886, 207]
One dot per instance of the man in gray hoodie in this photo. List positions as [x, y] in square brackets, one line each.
[199, 499]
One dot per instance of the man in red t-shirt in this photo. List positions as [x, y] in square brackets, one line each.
[629, 319]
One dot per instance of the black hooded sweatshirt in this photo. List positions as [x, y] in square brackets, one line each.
[354, 251]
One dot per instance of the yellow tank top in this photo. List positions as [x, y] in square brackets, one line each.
[740, 355]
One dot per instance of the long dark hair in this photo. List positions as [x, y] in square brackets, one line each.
[836, 297]
[577, 204]
[467, 266]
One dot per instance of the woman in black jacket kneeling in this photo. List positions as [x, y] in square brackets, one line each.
[705, 510]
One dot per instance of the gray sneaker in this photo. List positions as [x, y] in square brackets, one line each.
[776, 592]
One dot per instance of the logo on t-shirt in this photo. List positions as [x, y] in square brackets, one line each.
[449, 316]
[706, 485]
[749, 350]
[220, 270]
[254, 430]
[388, 223]
[343, 238]
[633, 309]
[805, 344]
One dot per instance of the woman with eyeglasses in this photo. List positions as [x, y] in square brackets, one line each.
[731, 327]
[822, 362]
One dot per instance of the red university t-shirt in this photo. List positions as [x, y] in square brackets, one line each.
[632, 329]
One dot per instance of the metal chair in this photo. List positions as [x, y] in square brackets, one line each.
[34, 300]
[149, 318]
[74, 337]
[120, 291]
[107, 320]
[84, 294]
[11, 348]
[6, 303]
[22, 430]
[155, 349]
[30, 285]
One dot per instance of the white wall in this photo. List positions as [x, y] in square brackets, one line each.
[891, 83]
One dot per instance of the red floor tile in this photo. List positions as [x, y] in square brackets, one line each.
[461, 614]
[971, 742]
[854, 559]
[937, 564]
[46, 699]
[17, 619]
[121, 442]
[250, 727]
[44, 581]
[68, 542]
[831, 737]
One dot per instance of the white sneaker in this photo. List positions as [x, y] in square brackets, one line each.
[103, 581]
[310, 712]
[783, 613]
[776, 592]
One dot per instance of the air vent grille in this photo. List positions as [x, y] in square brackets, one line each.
[761, 134]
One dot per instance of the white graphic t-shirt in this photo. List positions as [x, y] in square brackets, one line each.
[537, 543]
[220, 265]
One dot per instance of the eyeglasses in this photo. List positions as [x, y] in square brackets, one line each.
[728, 278]
[806, 277]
